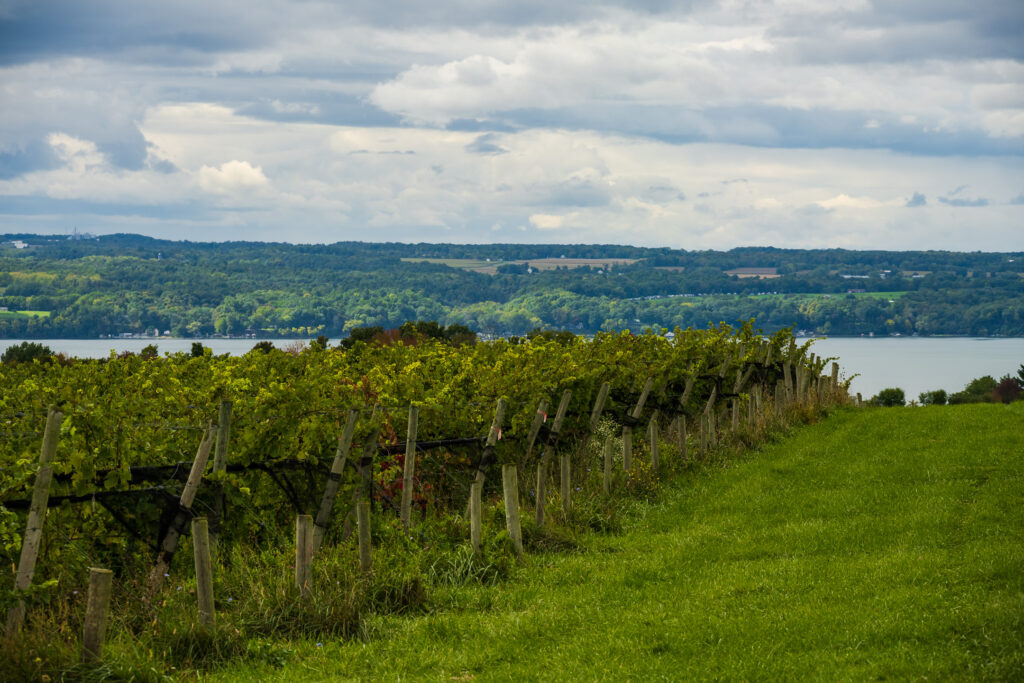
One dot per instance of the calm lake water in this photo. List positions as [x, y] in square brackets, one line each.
[914, 364]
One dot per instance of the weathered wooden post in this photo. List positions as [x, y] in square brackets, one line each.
[735, 414]
[549, 452]
[369, 453]
[220, 464]
[97, 607]
[410, 466]
[303, 553]
[492, 439]
[363, 521]
[323, 515]
[595, 414]
[204, 570]
[177, 526]
[36, 516]
[627, 432]
[475, 514]
[510, 487]
[835, 381]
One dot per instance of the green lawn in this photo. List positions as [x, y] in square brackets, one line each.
[878, 544]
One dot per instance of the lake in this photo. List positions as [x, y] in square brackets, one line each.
[914, 364]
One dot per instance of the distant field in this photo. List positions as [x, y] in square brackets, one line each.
[491, 267]
[30, 314]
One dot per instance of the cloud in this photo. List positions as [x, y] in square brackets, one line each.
[1018, 200]
[231, 176]
[486, 144]
[546, 221]
[956, 201]
[917, 199]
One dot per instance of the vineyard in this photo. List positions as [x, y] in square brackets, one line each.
[311, 457]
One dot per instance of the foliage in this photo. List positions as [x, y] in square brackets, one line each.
[978, 390]
[26, 352]
[890, 397]
[933, 398]
[129, 284]
[1008, 390]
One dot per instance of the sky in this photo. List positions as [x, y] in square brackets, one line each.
[695, 124]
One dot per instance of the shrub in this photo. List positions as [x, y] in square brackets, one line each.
[1008, 390]
[890, 397]
[26, 352]
[978, 390]
[933, 398]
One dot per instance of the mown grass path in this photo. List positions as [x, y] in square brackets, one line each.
[883, 543]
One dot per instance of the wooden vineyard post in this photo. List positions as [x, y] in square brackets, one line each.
[220, 464]
[204, 570]
[188, 494]
[363, 523]
[510, 487]
[595, 414]
[549, 453]
[475, 514]
[304, 552]
[410, 466]
[366, 460]
[835, 381]
[735, 414]
[323, 516]
[539, 418]
[652, 430]
[97, 607]
[492, 438]
[608, 445]
[36, 516]
[780, 391]
[627, 432]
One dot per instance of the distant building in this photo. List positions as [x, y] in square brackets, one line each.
[762, 273]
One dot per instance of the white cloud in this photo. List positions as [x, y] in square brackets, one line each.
[231, 176]
[546, 221]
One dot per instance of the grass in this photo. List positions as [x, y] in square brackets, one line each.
[880, 543]
[29, 314]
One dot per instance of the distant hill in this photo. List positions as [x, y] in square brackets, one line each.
[52, 286]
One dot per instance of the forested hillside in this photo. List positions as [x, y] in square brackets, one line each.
[128, 284]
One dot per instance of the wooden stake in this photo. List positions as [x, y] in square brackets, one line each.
[36, 516]
[323, 516]
[595, 414]
[475, 515]
[204, 570]
[363, 522]
[492, 439]
[510, 487]
[97, 606]
[220, 464]
[549, 452]
[410, 466]
[304, 552]
[174, 531]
